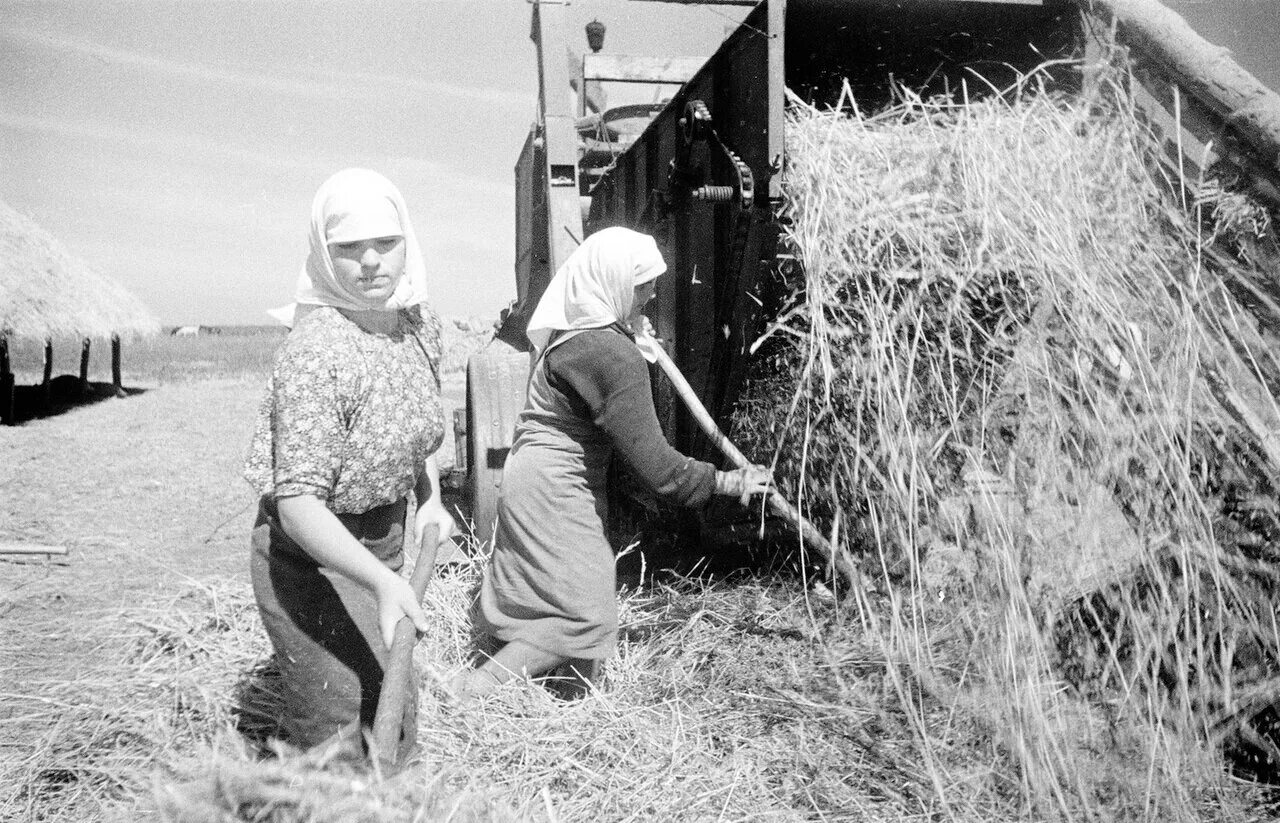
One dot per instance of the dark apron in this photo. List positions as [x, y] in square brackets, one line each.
[324, 628]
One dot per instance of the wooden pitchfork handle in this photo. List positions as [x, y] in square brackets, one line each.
[395, 679]
[778, 504]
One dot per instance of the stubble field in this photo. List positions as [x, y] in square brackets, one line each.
[136, 681]
[146, 496]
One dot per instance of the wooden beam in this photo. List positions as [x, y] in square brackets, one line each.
[628, 69]
[590, 96]
[1204, 70]
[559, 136]
[115, 365]
[30, 548]
[46, 385]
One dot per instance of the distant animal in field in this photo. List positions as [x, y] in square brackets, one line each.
[193, 331]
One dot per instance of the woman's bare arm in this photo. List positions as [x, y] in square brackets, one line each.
[430, 502]
[320, 533]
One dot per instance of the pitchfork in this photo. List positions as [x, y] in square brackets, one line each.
[840, 562]
[398, 674]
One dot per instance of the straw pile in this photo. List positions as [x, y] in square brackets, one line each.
[1024, 364]
[727, 701]
[1028, 399]
[47, 293]
[733, 700]
[175, 718]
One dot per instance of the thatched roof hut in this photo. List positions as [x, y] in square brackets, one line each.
[45, 292]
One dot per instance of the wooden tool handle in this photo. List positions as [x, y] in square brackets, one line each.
[777, 503]
[396, 677]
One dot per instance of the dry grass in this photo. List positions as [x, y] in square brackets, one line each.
[45, 292]
[727, 701]
[1028, 400]
[1028, 385]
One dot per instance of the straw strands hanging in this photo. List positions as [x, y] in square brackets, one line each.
[1017, 382]
[45, 292]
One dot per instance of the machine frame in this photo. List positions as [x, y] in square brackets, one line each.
[705, 175]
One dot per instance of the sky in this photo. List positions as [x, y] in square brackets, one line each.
[1250, 29]
[176, 145]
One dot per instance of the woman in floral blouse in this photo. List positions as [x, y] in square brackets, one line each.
[349, 426]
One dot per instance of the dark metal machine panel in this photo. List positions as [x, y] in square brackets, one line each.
[708, 308]
[532, 259]
[930, 46]
[712, 249]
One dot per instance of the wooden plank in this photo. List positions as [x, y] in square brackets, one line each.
[613, 68]
[30, 548]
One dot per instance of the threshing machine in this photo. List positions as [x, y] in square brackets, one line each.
[702, 170]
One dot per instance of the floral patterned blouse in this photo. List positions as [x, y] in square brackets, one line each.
[349, 416]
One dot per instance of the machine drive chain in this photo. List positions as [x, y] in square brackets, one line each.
[696, 125]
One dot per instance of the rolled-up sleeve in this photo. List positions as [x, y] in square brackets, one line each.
[308, 426]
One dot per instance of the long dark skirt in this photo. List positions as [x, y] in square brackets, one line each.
[324, 629]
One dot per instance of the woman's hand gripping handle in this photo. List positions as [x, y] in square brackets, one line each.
[405, 627]
[744, 483]
[843, 566]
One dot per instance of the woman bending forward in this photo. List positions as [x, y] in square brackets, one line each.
[548, 594]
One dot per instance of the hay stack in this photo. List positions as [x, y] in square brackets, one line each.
[47, 293]
[1024, 387]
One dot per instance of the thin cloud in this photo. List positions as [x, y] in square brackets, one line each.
[442, 179]
[439, 174]
[496, 97]
[169, 143]
[183, 145]
[325, 85]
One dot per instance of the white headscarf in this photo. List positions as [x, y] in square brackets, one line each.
[357, 204]
[596, 285]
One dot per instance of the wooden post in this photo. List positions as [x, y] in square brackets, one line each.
[115, 365]
[6, 384]
[46, 385]
[396, 679]
[84, 368]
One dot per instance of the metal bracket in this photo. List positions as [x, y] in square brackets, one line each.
[696, 126]
[684, 180]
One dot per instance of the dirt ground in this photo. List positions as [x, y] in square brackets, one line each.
[146, 495]
[143, 492]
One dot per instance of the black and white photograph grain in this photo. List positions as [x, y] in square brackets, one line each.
[615, 411]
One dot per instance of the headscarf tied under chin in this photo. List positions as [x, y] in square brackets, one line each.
[357, 204]
[596, 285]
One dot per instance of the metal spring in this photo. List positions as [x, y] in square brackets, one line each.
[713, 194]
